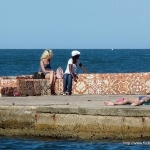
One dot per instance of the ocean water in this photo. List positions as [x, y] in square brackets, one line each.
[18, 143]
[26, 61]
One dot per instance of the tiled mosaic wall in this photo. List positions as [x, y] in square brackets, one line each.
[115, 83]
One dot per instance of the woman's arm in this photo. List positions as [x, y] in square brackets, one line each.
[42, 66]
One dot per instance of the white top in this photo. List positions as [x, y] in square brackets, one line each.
[74, 67]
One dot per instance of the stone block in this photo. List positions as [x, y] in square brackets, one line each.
[8, 91]
[45, 90]
[80, 87]
[11, 82]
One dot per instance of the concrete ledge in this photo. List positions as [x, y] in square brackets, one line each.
[82, 117]
[105, 111]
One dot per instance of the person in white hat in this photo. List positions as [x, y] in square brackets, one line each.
[70, 72]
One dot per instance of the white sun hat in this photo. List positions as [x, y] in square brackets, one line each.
[75, 52]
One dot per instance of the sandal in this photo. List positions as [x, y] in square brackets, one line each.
[53, 93]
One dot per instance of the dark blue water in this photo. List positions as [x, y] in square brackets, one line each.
[53, 144]
[23, 62]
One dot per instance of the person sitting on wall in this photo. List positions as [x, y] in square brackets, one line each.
[135, 102]
[46, 69]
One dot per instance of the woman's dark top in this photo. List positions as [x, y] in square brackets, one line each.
[46, 66]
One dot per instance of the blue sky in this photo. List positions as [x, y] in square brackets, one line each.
[75, 24]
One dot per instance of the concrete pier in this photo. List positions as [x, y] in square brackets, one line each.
[76, 116]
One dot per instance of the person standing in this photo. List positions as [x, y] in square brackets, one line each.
[70, 72]
[46, 69]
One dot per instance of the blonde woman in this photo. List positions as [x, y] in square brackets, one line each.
[46, 69]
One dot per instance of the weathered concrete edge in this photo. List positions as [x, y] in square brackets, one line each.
[64, 121]
[102, 111]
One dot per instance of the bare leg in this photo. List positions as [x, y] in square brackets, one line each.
[108, 103]
[50, 76]
[124, 102]
[53, 81]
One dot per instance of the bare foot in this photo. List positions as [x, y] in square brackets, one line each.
[107, 103]
[135, 104]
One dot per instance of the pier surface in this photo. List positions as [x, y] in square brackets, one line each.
[76, 116]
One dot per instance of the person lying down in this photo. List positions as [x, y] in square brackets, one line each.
[135, 102]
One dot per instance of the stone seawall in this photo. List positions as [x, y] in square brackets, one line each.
[75, 118]
[102, 84]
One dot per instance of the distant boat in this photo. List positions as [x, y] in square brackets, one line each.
[112, 49]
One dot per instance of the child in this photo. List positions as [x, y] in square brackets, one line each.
[70, 72]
